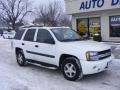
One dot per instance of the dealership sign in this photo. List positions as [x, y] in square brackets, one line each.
[92, 4]
[81, 6]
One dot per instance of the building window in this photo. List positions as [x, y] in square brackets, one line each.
[94, 26]
[89, 26]
[82, 26]
[115, 26]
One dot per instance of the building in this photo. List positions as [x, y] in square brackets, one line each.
[96, 16]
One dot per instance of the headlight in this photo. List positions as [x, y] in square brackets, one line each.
[92, 56]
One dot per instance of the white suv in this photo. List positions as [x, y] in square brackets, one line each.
[63, 48]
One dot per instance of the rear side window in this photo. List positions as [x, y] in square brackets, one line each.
[19, 34]
[29, 36]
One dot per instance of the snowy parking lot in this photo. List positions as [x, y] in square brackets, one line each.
[13, 77]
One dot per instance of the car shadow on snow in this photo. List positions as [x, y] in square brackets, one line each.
[43, 69]
[55, 73]
[101, 76]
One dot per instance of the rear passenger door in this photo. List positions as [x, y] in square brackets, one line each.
[45, 48]
[28, 43]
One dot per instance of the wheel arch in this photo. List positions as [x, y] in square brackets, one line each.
[64, 56]
[18, 49]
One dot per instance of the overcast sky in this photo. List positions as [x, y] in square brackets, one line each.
[36, 3]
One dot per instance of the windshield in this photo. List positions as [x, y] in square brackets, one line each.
[66, 34]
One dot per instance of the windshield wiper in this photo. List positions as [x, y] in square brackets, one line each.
[77, 39]
[68, 40]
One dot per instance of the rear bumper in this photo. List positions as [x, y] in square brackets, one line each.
[91, 67]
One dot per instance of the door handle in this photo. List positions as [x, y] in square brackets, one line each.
[23, 44]
[36, 46]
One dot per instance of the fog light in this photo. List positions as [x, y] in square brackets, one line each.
[98, 70]
[94, 67]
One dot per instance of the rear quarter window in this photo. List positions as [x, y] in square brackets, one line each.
[19, 34]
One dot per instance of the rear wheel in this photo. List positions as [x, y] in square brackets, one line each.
[20, 58]
[3, 37]
[71, 69]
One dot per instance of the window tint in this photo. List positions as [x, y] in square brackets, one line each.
[19, 34]
[29, 36]
[44, 36]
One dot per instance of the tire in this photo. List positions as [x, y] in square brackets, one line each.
[20, 58]
[71, 69]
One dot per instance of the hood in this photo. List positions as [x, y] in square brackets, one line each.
[85, 46]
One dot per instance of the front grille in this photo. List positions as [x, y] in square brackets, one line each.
[104, 54]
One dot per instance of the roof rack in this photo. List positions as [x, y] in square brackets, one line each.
[32, 26]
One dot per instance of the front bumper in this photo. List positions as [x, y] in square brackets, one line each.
[91, 67]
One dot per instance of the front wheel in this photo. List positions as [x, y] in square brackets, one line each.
[71, 69]
[20, 58]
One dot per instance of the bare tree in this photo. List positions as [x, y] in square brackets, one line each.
[65, 20]
[42, 16]
[54, 13]
[12, 12]
[49, 14]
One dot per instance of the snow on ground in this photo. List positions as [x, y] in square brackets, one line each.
[115, 49]
[13, 77]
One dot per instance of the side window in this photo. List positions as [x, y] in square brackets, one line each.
[19, 34]
[29, 36]
[44, 36]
